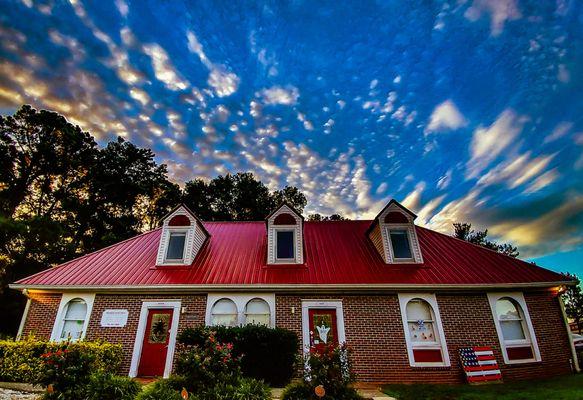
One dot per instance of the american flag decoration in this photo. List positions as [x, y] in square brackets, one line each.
[480, 364]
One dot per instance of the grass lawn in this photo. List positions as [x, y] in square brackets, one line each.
[563, 388]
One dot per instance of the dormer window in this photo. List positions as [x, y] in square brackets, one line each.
[285, 236]
[176, 243]
[393, 234]
[284, 245]
[400, 244]
[182, 236]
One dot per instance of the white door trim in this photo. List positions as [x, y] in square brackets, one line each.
[326, 304]
[139, 340]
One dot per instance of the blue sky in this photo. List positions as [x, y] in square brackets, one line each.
[463, 110]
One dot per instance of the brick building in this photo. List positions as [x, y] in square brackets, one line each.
[403, 297]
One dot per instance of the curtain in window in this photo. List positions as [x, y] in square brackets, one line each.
[75, 314]
[420, 322]
[510, 318]
[257, 312]
[224, 312]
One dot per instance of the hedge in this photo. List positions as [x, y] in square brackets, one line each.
[20, 361]
[269, 354]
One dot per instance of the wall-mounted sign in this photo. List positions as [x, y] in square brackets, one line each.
[114, 318]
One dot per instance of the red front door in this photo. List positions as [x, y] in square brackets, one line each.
[155, 344]
[323, 328]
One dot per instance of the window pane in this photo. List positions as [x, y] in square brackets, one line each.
[285, 244]
[512, 330]
[76, 309]
[418, 310]
[176, 246]
[507, 309]
[257, 312]
[72, 329]
[400, 243]
[421, 332]
[224, 312]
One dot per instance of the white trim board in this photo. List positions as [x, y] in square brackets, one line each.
[139, 339]
[325, 304]
[23, 319]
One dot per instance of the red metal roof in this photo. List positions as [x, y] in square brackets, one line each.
[336, 252]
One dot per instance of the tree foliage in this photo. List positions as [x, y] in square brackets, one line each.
[573, 298]
[239, 197]
[319, 217]
[464, 231]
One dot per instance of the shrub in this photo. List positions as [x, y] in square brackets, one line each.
[21, 361]
[106, 386]
[204, 365]
[330, 368]
[242, 388]
[269, 354]
[65, 373]
[160, 390]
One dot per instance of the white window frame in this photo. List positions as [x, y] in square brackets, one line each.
[394, 227]
[175, 305]
[321, 304]
[285, 228]
[169, 231]
[240, 300]
[531, 341]
[404, 299]
[88, 298]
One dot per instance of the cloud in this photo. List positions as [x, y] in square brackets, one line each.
[563, 74]
[445, 116]
[543, 181]
[488, 143]
[279, 95]
[445, 180]
[517, 171]
[413, 199]
[122, 7]
[500, 12]
[224, 82]
[560, 130]
[163, 68]
[140, 96]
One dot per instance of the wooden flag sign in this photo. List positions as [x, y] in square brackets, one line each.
[479, 364]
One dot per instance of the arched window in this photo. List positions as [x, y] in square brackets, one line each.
[510, 319]
[224, 312]
[257, 312]
[74, 319]
[423, 332]
[514, 328]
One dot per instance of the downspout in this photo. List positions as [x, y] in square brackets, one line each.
[571, 344]
[24, 315]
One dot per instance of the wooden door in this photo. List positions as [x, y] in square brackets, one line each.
[323, 328]
[155, 342]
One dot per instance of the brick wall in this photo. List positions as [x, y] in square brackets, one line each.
[373, 327]
[195, 312]
[41, 314]
[374, 331]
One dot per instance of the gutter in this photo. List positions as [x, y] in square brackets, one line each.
[290, 288]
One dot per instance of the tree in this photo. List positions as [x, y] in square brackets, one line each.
[239, 197]
[61, 196]
[573, 298]
[464, 231]
[333, 217]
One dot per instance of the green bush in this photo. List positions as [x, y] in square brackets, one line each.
[65, 374]
[20, 361]
[242, 388]
[330, 368]
[269, 354]
[106, 386]
[160, 390]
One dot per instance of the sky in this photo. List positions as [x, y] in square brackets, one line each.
[466, 110]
